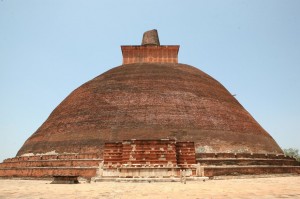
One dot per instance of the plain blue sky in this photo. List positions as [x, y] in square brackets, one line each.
[48, 48]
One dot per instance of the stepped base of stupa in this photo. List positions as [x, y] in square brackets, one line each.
[163, 158]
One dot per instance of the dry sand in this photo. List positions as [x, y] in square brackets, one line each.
[278, 187]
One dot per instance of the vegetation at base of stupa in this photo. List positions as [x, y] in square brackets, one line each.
[292, 152]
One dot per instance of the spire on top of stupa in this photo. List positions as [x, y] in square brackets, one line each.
[150, 51]
[150, 37]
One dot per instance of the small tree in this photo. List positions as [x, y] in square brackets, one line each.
[292, 152]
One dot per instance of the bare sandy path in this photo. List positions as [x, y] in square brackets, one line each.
[279, 187]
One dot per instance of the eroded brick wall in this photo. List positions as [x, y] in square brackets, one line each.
[150, 54]
[149, 152]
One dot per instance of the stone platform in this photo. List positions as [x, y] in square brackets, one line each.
[155, 159]
[148, 179]
[47, 166]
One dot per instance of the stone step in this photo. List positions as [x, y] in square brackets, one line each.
[54, 157]
[44, 172]
[211, 171]
[242, 155]
[247, 161]
[51, 163]
[148, 180]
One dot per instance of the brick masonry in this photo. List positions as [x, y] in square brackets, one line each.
[150, 54]
[163, 152]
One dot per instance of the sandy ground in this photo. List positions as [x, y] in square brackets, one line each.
[279, 187]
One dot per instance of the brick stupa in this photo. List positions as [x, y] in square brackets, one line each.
[149, 114]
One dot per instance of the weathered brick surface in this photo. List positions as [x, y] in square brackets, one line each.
[185, 153]
[159, 152]
[210, 171]
[112, 154]
[54, 157]
[240, 159]
[51, 163]
[143, 152]
[243, 155]
[240, 162]
[84, 165]
[47, 172]
[150, 101]
[150, 153]
[150, 54]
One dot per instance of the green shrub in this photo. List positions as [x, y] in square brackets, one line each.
[292, 152]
